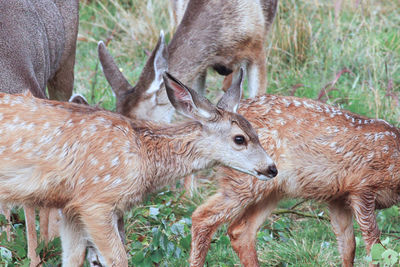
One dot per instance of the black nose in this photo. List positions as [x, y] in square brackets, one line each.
[272, 170]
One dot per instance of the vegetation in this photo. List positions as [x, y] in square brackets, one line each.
[351, 60]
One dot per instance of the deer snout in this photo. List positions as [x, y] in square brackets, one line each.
[270, 172]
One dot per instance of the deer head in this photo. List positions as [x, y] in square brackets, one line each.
[235, 142]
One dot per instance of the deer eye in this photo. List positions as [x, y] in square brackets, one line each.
[239, 139]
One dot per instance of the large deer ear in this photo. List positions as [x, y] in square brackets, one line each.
[79, 99]
[186, 101]
[230, 100]
[160, 64]
[114, 76]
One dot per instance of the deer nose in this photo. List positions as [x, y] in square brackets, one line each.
[271, 171]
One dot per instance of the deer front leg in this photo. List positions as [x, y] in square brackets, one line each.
[256, 75]
[363, 207]
[205, 221]
[73, 242]
[342, 224]
[44, 214]
[243, 231]
[101, 226]
[31, 236]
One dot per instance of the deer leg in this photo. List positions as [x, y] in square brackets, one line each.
[73, 242]
[256, 75]
[205, 221]
[44, 224]
[61, 85]
[342, 224]
[103, 232]
[243, 231]
[363, 207]
[190, 185]
[54, 224]
[31, 236]
[93, 256]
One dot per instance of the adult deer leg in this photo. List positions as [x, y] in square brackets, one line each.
[342, 224]
[256, 75]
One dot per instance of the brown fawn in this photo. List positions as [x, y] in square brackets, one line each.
[38, 49]
[322, 152]
[94, 164]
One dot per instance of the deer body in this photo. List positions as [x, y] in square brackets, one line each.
[37, 48]
[323, 153]
[94, 164]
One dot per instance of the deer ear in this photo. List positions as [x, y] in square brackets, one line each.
[79, 99]
[114, 76]
[160, 64]
[230, 100]
[186, 101]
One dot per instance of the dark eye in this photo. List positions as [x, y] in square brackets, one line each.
[239, 139]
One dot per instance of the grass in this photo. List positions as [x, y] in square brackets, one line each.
[352, 62]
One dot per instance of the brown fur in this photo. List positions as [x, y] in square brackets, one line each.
[322, 153]
[38, 49]
[94, 164]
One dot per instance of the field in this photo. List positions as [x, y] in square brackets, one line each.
[349, 59]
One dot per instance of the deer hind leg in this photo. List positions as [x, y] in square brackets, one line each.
[31, 236]
[102, 230]
[73, 242]
[205, 221]
[44, 214]
[93, 256]
[256, 74]
[243, 231]
[363, 207]
[342, 224]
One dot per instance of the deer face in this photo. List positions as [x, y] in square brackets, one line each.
[228, 137]
[147, 99]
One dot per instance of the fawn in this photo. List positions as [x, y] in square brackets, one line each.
[95, 164]
[38, 49]
[322, 153]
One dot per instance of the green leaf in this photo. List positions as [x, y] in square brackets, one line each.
[390, 257]
[138, 257]
[157, 256]
[185, 242]
[376, 252]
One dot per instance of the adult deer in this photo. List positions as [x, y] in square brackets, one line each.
[322, 152]
[223, 35]
[66, 167]
[37, 48]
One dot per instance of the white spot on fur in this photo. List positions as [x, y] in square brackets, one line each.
[385, 149]
[46, 125]
[96, 179]
[348, 154]
[296, 103]
[115, 161]
[94, 161]
[370, 155]
[83, 133]
[286, 102]
[116, 181]
[82, 121]
[2, 148]
[390, 169]
[278, 111]
[69, 123]
[107, 178]
[1, 116]
[101, 167]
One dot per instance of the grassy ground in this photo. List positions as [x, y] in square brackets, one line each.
[352, 61]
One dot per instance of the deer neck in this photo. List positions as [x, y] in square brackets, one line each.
[172, 152]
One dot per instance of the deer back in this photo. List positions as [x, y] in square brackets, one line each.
[323, 152]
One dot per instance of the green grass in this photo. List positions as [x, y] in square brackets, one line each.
[307, 49]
